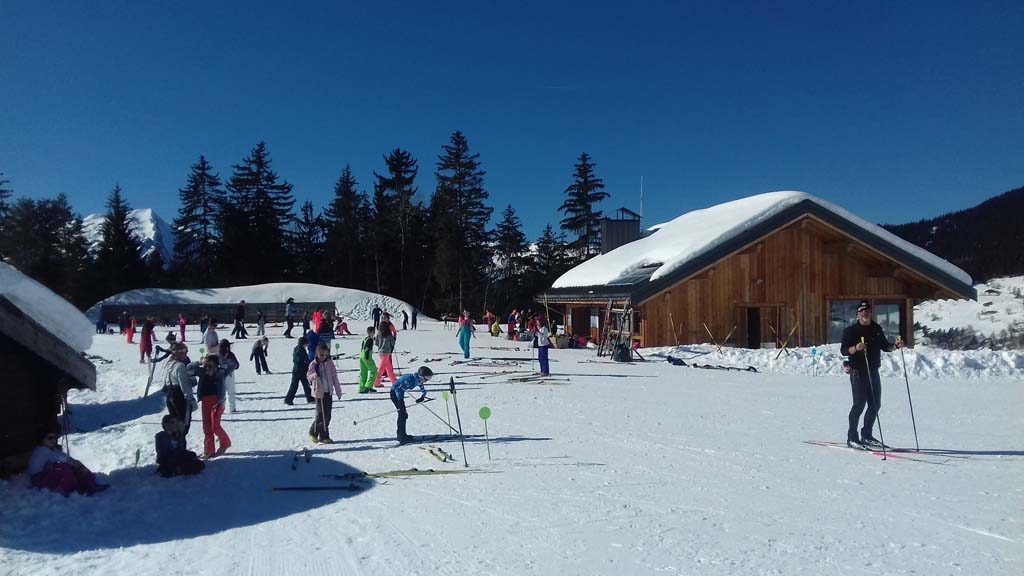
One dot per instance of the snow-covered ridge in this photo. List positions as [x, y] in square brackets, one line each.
[1000, 306]
[700, 231]
[148, 227]
[352, 303]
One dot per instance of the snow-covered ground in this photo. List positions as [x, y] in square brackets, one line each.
[644, 468]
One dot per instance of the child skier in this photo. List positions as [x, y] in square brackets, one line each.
[228, 363]
[210, 338]
[324, 377]
[543, 345]
[211, 394]
[466, 331]
[148, 338]
[366, 364]
[385, 340]
[300, 364]
[172, 457]
[398, 390]
[259, 355]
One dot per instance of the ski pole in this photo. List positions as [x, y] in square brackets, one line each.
[874, 399]
[355, 422]
[917, 447]
[438, 416]
[455, 398]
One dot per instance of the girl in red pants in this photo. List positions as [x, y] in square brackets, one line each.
[386, 335]
[211, 394]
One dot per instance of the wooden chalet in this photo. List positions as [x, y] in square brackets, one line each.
[39, 367]
[754, 272]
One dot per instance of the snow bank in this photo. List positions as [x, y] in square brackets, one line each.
[352, 303]
[48, 309]
[698, 232]
[922, 362]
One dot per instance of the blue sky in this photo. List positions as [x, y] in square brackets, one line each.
[895, 110]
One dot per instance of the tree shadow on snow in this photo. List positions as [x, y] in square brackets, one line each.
[92, 417]
[143, 508]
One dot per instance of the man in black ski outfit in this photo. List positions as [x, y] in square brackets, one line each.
[866, 392]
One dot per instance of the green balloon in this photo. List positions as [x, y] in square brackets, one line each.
[444, 395]
[485, 412]
[337, 345]
[202, 350]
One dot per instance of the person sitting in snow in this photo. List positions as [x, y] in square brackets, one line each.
[398, 390]
[172, 457]
[342, 328]
[51, 468]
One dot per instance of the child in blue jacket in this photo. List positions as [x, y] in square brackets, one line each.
[398, 390]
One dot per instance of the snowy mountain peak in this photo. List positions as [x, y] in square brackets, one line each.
[148, 227]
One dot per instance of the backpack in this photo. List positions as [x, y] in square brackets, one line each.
[622, 353]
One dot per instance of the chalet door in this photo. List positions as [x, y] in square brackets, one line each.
[753, 328]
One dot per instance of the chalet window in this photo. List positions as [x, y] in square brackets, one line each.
[841, 313]
[888, 317]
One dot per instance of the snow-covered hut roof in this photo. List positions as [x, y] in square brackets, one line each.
[692, 241]
[46, 325]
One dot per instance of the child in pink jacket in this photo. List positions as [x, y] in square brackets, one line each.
[323, 378]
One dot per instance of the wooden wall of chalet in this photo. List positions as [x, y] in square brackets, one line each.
[791, 275]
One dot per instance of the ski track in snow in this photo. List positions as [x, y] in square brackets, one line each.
[670, 470]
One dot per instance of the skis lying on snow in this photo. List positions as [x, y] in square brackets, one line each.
[538, 379]
[351, 487]
[404, 473]
[680, 362]
[897, 453]
[438, 452]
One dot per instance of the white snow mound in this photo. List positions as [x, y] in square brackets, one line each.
[351, 303]
[47, 308]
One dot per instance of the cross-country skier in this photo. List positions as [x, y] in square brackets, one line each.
[366, 364]
[866, 385]
[398, 390]
[300, 363]
[323, 376]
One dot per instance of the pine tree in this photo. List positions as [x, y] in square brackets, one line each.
[5, 209]
[551, 259]
[347, 231]
[458, 220]
[197, 238]
[581, 218]
[511, 251]
[72, 253]
[255, 222]
[309, 247]
[118, 264]
[398, 225]
[23, 244]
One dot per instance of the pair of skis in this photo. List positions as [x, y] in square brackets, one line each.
[898, 453]
[355, 478]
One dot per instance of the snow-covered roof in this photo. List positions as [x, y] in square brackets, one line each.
[351, 303]
[47, 309]
[698, 233]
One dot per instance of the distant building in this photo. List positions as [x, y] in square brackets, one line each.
[622, 229]
[756, 269]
